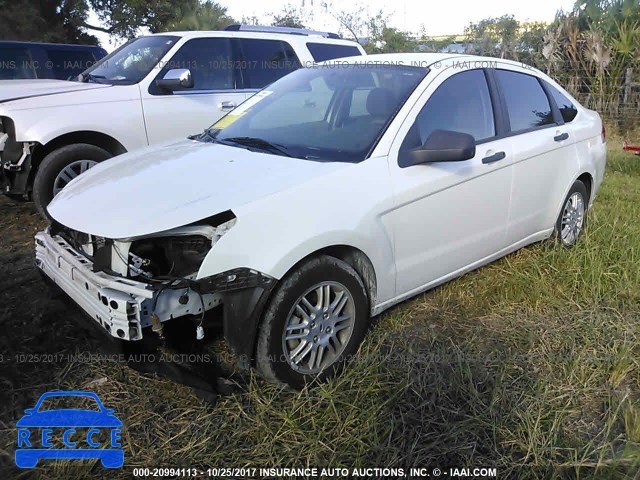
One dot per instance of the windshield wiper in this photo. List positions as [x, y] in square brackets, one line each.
[207, 136]
[258, 143]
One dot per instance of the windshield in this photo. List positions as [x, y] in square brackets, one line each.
[327, 112]
[131, 62]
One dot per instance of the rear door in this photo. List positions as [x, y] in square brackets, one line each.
[544, 154]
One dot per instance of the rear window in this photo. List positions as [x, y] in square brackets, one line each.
[527, 104]
[566, 106]
[323, 51]
[69, 63]
[16, 63]
[265, 61]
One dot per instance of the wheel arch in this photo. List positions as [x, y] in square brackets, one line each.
[587, 179]
[356, 259]
[90, 137]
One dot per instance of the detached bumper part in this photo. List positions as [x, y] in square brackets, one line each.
[15, 160]
[123, 307]
[245, 294]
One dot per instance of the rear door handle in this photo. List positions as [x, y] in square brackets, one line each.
[561, 137]
[496, 157]
[227, 106]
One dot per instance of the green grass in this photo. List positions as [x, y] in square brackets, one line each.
[529, 365]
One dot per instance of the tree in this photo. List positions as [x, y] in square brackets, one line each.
[207, 15]
[496, 37]
[45, 21]
[125, 17]
[289, 16]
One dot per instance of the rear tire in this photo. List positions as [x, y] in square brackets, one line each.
[573, 216]
[324, 304]
[61, 166]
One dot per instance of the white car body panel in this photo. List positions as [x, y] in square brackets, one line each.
[12, 90]
[419, 226]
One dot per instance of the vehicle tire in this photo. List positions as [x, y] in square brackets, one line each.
[61, 166]
[573, 215]
[323, 309]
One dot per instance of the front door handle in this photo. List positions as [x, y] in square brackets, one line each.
[561, 137]
[226, 106]
[496, 157]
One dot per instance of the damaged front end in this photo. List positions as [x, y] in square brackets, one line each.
[15, 161]
[128, 285]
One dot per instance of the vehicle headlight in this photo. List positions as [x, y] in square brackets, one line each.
[175, 253]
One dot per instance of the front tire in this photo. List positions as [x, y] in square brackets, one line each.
[573, 216]
[313, 324]
[60, 167]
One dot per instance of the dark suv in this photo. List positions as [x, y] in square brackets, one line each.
[29, 60]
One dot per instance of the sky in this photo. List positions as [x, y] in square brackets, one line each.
[438, 17]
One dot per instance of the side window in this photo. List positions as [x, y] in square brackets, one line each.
[209, 60]
[527, 104]
[265, 61]
[566, 106]
[69, 63]
[325, 51]
[461, 104]
[16, 63]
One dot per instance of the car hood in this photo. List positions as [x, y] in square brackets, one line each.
[69, 418]
[160, 188]
[18, 89]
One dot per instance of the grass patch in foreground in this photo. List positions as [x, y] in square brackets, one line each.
[529, 365]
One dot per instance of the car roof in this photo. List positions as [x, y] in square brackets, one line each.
[288, 37]
[11, 43]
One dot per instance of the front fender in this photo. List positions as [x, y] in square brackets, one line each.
[273, 234]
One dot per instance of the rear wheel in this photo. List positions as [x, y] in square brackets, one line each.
[61, 166]
[573, 216]
[314, 322]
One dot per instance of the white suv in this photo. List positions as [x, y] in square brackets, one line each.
[330, 196]
[152, 90]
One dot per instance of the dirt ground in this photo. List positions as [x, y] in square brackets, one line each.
[46, 342]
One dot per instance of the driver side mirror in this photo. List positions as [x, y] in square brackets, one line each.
[176, 79]
[442, 146]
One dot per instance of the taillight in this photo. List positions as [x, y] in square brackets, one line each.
[604, 134]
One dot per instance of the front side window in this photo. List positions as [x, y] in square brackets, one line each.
[324, 113]
[132, 62]
[265, 61]
[567, 109]
[461, 104]
[209, 60]
[527, 104]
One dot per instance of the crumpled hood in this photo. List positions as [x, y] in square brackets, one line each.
[159, 188]
[17, 89]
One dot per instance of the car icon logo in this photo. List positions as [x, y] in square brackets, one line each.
[82, 433]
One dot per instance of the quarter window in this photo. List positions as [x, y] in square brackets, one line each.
[16, 63]
[567, 109]
[461, 104]
[69, 63]
[325, 51]
[527, 104]
[265, 61]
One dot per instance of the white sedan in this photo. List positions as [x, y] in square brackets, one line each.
[330, 196]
